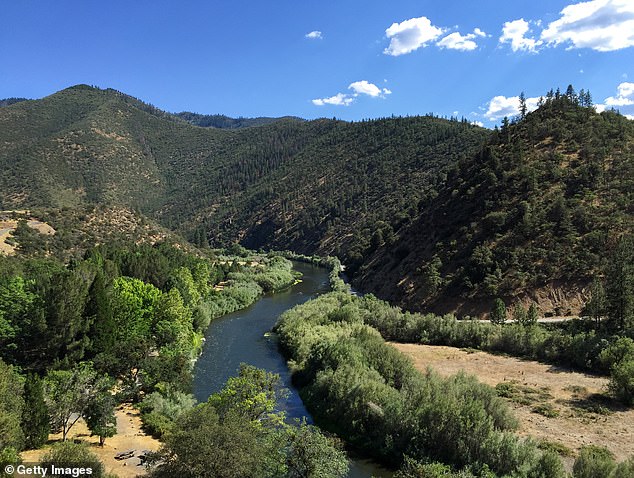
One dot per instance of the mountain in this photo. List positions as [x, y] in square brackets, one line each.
[226, 122]
[533, 215]
[10, 101]
[321, 186]
[432, 214]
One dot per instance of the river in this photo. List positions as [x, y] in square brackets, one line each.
[243, 337]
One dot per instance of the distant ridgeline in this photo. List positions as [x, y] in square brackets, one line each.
[225, 122]
[10, 101]
[427, 212]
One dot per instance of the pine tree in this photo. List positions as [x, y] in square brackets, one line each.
[498, 313]
[520, 315]
[533, 314]
[620, 285]
[523, 107]
[35, 420]
[595, 308]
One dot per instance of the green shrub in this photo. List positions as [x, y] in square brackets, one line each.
[593, 462]
[622, 381]
[72, 455]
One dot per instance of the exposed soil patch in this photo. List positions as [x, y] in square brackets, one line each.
[553, 404]
[7, 226]
[129, 436]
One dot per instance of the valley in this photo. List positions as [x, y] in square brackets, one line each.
[129, 230]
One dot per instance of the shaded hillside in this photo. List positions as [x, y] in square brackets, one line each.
[10, 101]
[226, 122]
[533, 215]
[321, 185]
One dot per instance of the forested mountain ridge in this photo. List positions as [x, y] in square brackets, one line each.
[431, 213]
[313, 186]
[226, 122]
[535, 215]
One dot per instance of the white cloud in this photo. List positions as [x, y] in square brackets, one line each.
[624, 97]
[603, 25]
[364, 87]
[629, 117]
[599, 108]
[515, 33]
[478, 123]
[340, 99]
[501, 106]
[314, 35]
[456, 41]
[410, 35]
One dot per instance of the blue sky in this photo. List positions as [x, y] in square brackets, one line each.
[332, 58]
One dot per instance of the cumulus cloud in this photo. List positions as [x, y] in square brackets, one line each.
[603, 25]
[340, 99]
[515, 33]
[629, 117]
[362, 87]
[410, 35]
[456, 41]
[501, 106]
[624, 97]
[314, 35]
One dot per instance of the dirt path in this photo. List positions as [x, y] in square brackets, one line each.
[578, 411]
[129, 437]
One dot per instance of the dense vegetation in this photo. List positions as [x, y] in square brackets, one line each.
[238, 433]
[324, 185]
[436, 214]
[126, 315]
[540, 207]
[224, 122]
[363, 389]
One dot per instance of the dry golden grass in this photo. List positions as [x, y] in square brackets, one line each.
[129, 436]
[584, 415]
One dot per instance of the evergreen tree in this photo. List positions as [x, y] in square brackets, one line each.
[498, 313]
[595, 308]
[523, 107]
[35, 420]
[520, 315]
[533, 314]
[620, 285]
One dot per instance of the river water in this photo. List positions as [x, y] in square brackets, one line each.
[243, 337]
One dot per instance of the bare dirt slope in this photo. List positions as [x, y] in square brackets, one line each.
[578, 411]
[129, 437]
[7, 226]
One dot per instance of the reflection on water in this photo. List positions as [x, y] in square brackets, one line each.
[242, 337]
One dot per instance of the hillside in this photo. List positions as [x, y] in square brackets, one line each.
[312, 186]
[226, 122]
[426, 212]
[534, 215]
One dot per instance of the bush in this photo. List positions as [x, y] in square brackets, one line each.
[593, 462]
[622, 382]
[72, 455]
